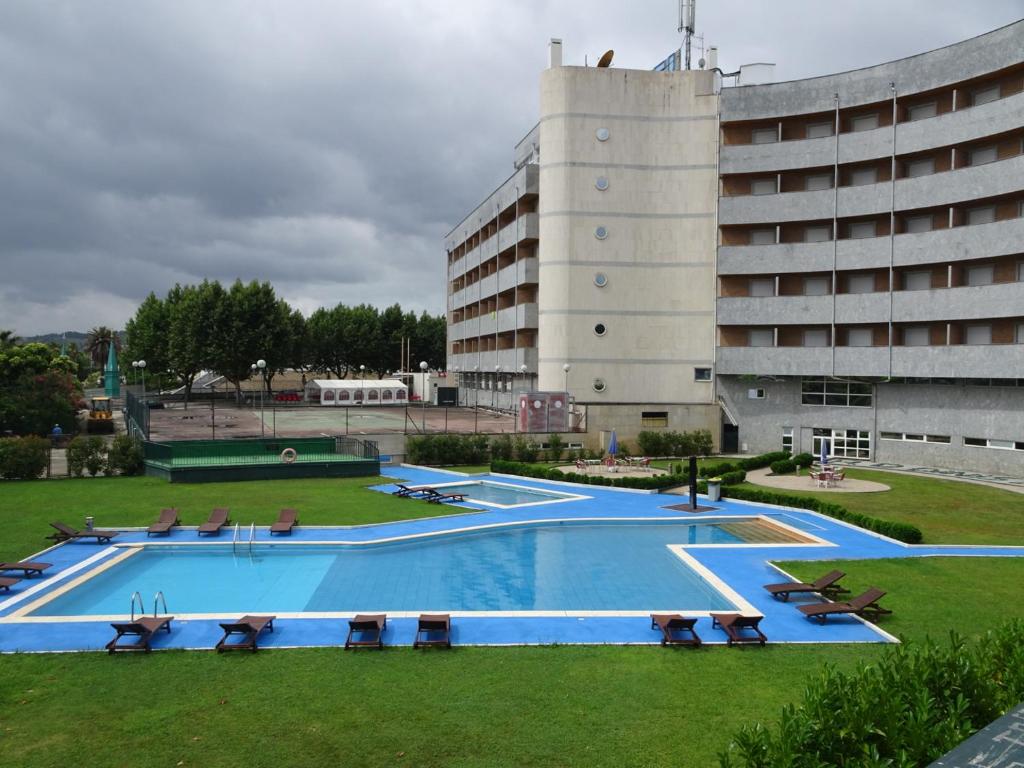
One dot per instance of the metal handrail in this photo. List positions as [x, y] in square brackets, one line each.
[159, 596]
[234, 537]
[142, 605]
[252, 535]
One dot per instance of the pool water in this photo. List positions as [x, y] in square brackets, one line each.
[504, 495]
[550, 567]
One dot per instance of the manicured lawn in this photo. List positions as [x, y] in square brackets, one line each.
[946, 511]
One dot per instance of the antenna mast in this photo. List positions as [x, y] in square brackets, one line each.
[687, 13]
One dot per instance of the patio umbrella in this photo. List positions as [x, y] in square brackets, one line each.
[613, 444]
[824, 451]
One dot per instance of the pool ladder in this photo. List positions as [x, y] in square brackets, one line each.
[157, 599]
[235, 536]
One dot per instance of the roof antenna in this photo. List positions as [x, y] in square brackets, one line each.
[687, 14]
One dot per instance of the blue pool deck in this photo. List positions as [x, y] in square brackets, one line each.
[743, 568]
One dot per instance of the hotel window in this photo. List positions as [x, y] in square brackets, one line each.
[787, 439]
[762, 286]
[816, 286]
[1006, 445]
[859, 337]
[1020, 272]
[763, 187]
[816, 337]
[762, 237]
[985, 214]
[923, 167]
[764, 135]
[917, 281]
[983, 155]
[978, 334]
[653, 418]
[860, 283]
[862, 176]
[845, 443]
[761, 337]
[861, 229]
[702, 374]
[819, 130]
[920, 223]
[922, 111]
[846, 394]
[916, 336]
[756, 394]
[818, 181]
[985, 95]
[982, 275]
[912, 438]
[1020, 333]
[864, 123]
[817, 234]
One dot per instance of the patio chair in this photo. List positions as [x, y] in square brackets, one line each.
[247, 626]
[433, 629]
[742, 630]
[827, 586]
[675, 629]
[436, 497]
[864, 605]
[366, 630]
[143, 628]
[167, 520]
[217, 520]
[286, 520]
[67, 533]
[27, 567]
[6, 582]
[406, 492]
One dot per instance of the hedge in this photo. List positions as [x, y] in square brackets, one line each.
[651, 483]
[669, 443]
[784, 467]
[906, 709]
[23, 458]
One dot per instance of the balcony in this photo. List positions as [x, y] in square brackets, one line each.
[964, 303]
[770, 209]
[525, 273]
[862, 361]
[961, 126]
[997, 178]
[853, 308]
[775, 310]
[774, 361]
[981, 241]
[509, 360]
[999, 361]
[776, 259]
[863, 253]
[528, 229]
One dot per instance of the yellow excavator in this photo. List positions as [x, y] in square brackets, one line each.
[101, 416]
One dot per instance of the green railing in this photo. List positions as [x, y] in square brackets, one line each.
[255, 451]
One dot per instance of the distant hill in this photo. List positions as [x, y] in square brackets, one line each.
[72, 337]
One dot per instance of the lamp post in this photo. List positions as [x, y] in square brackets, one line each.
[497, 377]
[362, 385]
[565, 381]
[257, 368]
[476, 395]
[142, 367]
[423, 394]
[135, 377]
[455, 370]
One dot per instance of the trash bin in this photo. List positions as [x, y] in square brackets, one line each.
[88, 523]
[714, 489]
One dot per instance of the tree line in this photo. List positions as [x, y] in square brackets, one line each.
[210, 327]
[39, 387]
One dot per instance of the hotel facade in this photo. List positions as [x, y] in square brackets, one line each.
[834, 259]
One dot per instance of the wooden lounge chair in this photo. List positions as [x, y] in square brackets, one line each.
[247, 626]
[406, 492]
[167, 520]
[286, 520]
[675, 629]
[741, 630]
[143, 627]
[434, 629]
[27, 567]
[366, 629]
[434, 496]
[6, 582]
[217, 520]
[67, 533]
[827, 585]
[865, 605]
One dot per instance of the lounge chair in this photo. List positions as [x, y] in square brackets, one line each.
[740, 629]
[366, 630]
[217, 520]
[434, 629]
[144, 628]
[167, 520]
[6, 582]
[434, 496]
[675, 629]
[406, 492]
[27, 567]
[827, 585]
[248, 626]
[865, 605]
[286, 520]
[67, 533]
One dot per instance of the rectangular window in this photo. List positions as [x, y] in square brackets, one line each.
[819, 130]
[702, 374]
[864, 123]
[984, 214]
[1020, 333]
[860, 283]
[764, 135]
[817, 233]
[787, 439]
[859, 337]
[762, 237]
[922, 111]
[653, 418]
[762, 286]
[944, 439]
[981, 275]
[816, 286]
[862, 176]
[816, 337]
[978, 334]
[916, 336]
[822, 391]
[755, 394]
[985, 95]
[761, 337]
[918, 280]
[982, 155]
[818, 181]
[763, 187]
[923, 167]
[976, 442]
[890, 435]
[1020, 272]
[844, 443]
[860, 229]
[921, 223]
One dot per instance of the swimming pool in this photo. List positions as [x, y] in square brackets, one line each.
[570, 567]
[505, 495]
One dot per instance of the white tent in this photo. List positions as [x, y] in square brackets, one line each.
[357, 392]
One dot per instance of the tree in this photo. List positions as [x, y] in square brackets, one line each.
[192, 312]
[326, 331]
[147, 334]
[429, 340]
[246, 328]
[37, 390]
[97, 345]
[8, 339]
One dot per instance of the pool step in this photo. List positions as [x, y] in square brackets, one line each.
[760, 533]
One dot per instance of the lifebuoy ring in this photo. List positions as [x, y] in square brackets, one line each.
[288, 455]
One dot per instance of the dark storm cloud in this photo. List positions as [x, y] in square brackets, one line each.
[324, 146]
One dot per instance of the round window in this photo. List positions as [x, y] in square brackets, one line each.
[537, 403]
[601, 183]
[602, 134]
[600, 279]
[599, 385]
[599, 329]
[600, 233]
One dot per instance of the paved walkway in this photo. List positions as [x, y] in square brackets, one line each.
[804, 482]
[1005, 482]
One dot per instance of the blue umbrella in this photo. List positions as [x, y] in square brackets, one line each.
[824, 451]
[613, 444]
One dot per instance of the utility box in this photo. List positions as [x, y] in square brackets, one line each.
[543, 412]
[446, 396]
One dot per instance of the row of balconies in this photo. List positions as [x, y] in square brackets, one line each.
[993, 179]
[508, 319]
[508, 359]
[526, 272]
[528, 229]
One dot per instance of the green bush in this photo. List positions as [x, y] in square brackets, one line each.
[125, 456]
[907, 709]
[86, 454]
[803, 460]
[23, 458]
[501, 447]
[784, 467]
[526, 450]
[669, 443]
[556, 445]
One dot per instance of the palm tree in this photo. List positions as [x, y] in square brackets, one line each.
[8, 339]
[97, 344]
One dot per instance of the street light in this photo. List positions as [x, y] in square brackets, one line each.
[142, 367]
[135, 378]
[423, 394]
[257, 368]
[476, 395]
[494, 390]
[362, 385]
[565, 369]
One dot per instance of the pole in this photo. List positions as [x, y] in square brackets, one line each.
[693, 483]
[213, 414]
[263, 424]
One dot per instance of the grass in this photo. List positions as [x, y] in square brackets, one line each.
[947, 511]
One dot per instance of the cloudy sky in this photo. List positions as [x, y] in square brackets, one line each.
[324, 146]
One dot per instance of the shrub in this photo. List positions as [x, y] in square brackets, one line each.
[556, 445]
[526, 450]
[23, 458]
[86, 454]
[501, 448]
[784, 467]
[669, 443]
[125, 456]
[803, 460]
